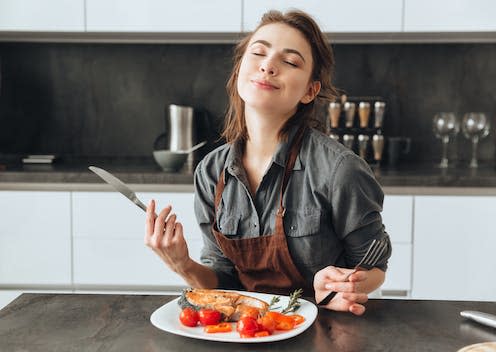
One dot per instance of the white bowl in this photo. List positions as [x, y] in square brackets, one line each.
[168, 160]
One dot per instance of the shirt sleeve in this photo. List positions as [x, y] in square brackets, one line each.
[211, 255]
[356, 203]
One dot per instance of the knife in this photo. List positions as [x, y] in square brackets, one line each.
[480, 317]
[118, 185]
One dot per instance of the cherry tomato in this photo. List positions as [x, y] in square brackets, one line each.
[221, 327]
[209, 317]
[247, 326]
[189, 317]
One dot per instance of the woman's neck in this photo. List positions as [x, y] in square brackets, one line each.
[263, 134]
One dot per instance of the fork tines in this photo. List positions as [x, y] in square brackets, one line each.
[375, 251]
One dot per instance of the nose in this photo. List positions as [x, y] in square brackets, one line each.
[268, 66]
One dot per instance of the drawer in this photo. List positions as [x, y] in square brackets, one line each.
[399, 273]
[111, 262]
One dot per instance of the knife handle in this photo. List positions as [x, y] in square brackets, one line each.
[480, 317]
[327, 298]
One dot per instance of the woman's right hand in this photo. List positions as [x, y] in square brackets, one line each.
[165, 236]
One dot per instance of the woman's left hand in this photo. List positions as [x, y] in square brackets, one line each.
[351, 294]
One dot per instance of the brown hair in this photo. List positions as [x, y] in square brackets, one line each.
[323, 65]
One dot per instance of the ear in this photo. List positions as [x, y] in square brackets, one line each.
[312, 91]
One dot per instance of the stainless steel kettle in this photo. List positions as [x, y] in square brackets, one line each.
[179, 127]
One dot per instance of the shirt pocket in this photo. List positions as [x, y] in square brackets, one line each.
[302, 222]
[228, 224]
[306, 242]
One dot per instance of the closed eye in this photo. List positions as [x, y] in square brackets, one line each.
[291, 63]
[258, 54]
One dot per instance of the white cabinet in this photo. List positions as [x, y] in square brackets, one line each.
[35, 238]
[108, 240]
[454, 248]
[334, 16]
[47, 15]
[397, 218]
[450, 15]
[163, 16]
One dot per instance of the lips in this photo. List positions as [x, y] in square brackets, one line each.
[264, 84]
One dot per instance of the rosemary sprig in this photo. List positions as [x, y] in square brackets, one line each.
[293, 303]
[273, 302]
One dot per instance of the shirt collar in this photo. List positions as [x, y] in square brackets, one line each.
[282, 151]
[234, 164]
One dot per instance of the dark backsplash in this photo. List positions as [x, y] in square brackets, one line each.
[110, 99]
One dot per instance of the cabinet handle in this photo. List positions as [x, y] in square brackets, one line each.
[395, 293]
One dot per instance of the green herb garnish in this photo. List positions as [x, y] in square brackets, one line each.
[274, 301]
[293, 303]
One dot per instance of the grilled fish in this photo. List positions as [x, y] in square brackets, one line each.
[232, 305]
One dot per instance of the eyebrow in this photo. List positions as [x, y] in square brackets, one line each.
[286, 50]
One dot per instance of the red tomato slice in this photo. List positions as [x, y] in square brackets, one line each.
[221, 327]
[298, 319]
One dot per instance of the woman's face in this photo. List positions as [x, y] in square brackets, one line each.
[275, 71]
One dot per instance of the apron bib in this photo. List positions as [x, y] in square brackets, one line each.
[264, 263]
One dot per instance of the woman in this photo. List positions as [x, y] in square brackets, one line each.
[281, 206]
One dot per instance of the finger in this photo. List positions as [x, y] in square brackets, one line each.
[356, 297]
[332, 273]
[150, 218]
[160, 221]
[342, 286]
[357, 309]
[358, 276]
[169, 231]
[178, 235]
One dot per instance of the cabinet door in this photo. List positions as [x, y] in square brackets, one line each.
[397, 217]
[450, 15]
[108, 240]
[163, 16]
[35, 241]
[47, 15]
[333, 16]
[454, 248]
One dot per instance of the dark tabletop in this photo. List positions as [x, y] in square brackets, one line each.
[76, 322]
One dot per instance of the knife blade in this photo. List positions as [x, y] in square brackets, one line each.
[480, 317]
[119, 186]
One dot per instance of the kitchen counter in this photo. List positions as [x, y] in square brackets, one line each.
[70, 322]
[144, 175]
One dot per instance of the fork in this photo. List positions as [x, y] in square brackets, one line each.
[371, 257]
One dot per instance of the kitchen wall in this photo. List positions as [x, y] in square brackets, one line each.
[109, 99]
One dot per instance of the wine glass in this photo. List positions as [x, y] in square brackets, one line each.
[445, 125]
[475, 126]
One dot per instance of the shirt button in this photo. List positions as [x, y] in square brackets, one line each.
[293, 227]
[255, 224]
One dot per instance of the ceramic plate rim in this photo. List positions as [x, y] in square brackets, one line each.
[166, 318]
[478, 345]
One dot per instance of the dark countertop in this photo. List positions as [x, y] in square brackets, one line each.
[73, 322]
[144, 171]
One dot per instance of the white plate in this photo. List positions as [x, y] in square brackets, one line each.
[480, 347]
[167, 318]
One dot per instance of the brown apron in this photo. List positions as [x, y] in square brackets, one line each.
[264, 263]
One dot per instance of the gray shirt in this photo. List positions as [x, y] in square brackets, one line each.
[332, 201]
